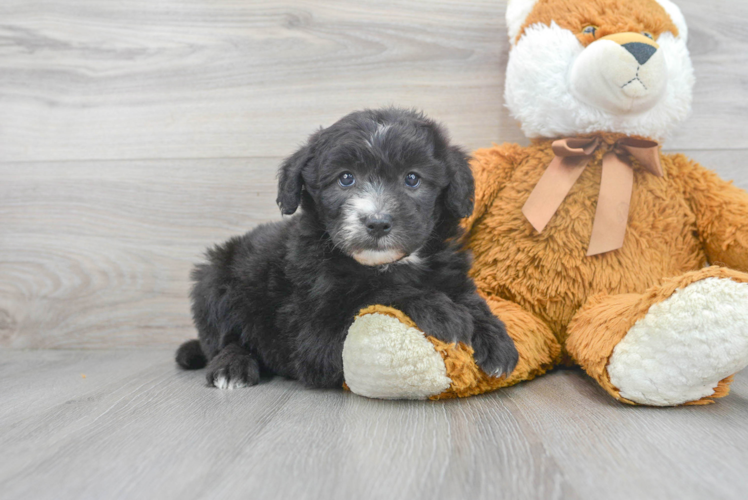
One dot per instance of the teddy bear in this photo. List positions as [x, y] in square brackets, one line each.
[594, 248]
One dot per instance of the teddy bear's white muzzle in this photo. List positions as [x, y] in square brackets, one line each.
[622, 79]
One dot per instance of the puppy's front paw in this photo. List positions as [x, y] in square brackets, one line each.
[233, 368]
[441, 318]
[494, 350]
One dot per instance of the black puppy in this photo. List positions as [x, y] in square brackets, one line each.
[381, 195]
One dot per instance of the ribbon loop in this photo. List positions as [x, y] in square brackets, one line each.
[575, 147]
[616, 185]
[646, 153]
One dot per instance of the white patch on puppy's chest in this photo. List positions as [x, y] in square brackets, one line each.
[413, 259]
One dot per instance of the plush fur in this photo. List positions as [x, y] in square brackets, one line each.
[660, 321]
[616, 16]
[689, 334]
[377, 338]
[282, 297]
[542, 94]
[676, 225]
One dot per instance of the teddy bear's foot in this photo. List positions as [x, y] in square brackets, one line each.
[386, 357]
[685, 345]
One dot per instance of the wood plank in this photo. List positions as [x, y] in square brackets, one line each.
[137, 427]
[720, 64]
[230, 78]
[98, 254]
[731, 165]
[639, 452]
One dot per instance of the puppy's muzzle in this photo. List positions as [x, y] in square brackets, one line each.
[378, 225]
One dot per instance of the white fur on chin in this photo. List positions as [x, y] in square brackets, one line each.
[377, 257]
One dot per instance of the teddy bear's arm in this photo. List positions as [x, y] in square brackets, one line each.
[721, 211]
[492, 168]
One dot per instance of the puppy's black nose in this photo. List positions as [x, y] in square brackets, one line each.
[378, 225]
[641, 51]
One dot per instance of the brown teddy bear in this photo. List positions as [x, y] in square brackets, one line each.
[593, 247]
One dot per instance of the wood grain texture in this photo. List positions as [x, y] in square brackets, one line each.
[134, 135]
[96, 244]
[137, 427]
[729, 164]
[99, 79]
[231, 78]
[98, 254]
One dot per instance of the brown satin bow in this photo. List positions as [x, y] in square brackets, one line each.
[616, 185]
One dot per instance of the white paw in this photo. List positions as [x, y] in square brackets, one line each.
[383, 358]
[227, 384]
[684, 345]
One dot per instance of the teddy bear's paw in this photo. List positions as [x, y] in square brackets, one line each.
[383, 357]
[685, 345]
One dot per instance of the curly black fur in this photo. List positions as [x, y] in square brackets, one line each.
[281, 298]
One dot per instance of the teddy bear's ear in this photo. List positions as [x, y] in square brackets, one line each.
[518, 10]
[677, 17]
[516, 13]
[460, 192]
[290, 180]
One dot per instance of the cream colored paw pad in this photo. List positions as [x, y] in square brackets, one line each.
[384, 358]
[684, 345]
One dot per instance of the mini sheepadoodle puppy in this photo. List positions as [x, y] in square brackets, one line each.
[381, 195]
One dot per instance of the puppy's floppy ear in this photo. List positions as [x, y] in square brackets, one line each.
[460, 192]
[290, 181]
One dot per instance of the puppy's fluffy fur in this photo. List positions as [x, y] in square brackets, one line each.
[381, 194]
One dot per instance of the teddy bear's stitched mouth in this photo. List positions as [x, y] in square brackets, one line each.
[635, 79]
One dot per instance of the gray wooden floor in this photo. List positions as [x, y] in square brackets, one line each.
[135, 134]
[127, 424]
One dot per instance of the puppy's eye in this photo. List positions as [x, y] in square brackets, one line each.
[412, 180]
[346, 179]
[590, 30]
[648, 35]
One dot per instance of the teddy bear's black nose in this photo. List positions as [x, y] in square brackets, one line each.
[641, 51]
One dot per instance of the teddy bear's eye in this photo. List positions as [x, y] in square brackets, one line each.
[648, 35]
[590, 30]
